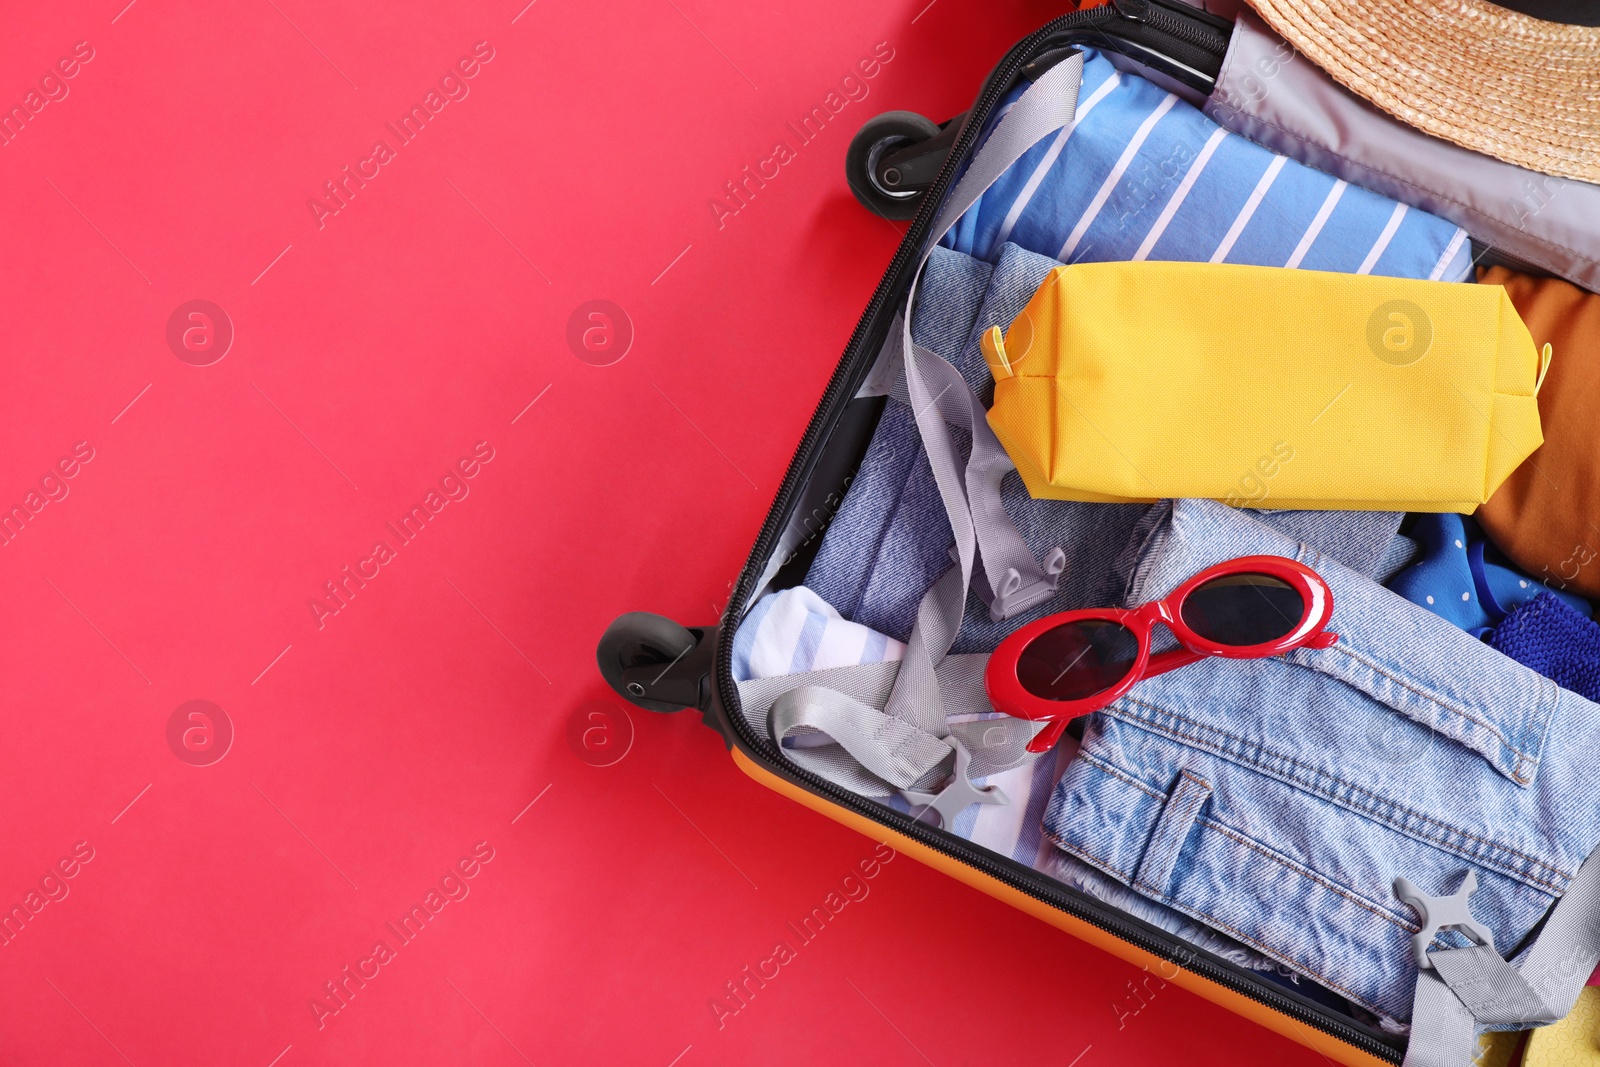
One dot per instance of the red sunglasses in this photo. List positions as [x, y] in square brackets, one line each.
[1063, 666]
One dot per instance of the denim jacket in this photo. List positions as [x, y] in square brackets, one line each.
[1277, 800]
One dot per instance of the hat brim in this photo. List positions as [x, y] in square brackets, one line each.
[1489, 79]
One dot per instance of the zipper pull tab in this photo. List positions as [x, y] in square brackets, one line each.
[1132, 10]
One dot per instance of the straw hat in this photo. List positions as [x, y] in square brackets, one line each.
[1504, 84]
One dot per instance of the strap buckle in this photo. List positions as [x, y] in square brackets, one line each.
[958, 792]
[1442, 913]
[1015, 592]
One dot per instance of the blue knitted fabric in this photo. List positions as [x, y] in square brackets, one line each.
[1547, 636]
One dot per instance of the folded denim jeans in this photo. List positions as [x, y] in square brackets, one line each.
[1277, 800]
[891, 539]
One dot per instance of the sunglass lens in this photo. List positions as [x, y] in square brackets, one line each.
[1077, 659]
[1243, 609]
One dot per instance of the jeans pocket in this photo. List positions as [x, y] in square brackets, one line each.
[1291, 875]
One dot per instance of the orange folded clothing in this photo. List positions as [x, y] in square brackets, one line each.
[1546, 515]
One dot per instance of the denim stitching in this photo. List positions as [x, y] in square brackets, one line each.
[1305, 872]
[1364, 661]
[1271, 953]
[1554, 700]
[1414, 823]
[1171, 830]
[1314, 563]
[1218, 924]
[1104, 865]
[1310, 875]
[1230, 751]
[1116, 772]
[1404, 820]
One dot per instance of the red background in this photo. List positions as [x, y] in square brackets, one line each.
[370, 354]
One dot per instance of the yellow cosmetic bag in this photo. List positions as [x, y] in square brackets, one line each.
[1265, 387]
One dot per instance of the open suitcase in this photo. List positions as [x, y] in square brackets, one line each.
[904, 166]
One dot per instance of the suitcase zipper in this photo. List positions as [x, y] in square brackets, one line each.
[1186, 27]
[1202, 34]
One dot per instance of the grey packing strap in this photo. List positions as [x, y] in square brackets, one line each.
[1047, 106]
[939, 395]
[860, 749]
[871, 751]
[1012, 580]
[1471, 986]
[916, 695]
[830, 725]
[1492, 990]
[865, 749]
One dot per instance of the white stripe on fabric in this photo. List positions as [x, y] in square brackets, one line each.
[1313, 231]
[812, 627]
[772, 651]
[1383, 240]
[1243, 219]
[744, 640]
[1450, 251]
[1180, 193]
[1039, 173]
[1115, 176]
[843, 644]
[799, 631]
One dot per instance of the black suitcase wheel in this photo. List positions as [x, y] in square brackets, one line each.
[637, 656]
[888, 190]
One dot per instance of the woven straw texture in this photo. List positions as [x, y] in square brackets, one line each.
[1489, 79]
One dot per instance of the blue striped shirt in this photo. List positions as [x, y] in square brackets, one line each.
[1140, 174]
